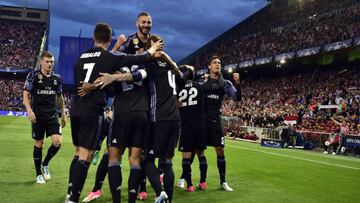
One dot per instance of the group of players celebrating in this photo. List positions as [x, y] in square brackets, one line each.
[156, 105]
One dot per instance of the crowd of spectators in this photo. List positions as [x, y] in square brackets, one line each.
[11, 95]
[19, 43]
[318, 101]
[271, 32]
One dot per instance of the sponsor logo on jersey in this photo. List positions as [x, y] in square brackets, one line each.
[162, 64]
[46, 92]
[212, 96]
[114, 141]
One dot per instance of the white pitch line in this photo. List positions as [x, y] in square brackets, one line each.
[293, 157]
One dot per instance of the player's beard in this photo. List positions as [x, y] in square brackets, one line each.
[142, 30]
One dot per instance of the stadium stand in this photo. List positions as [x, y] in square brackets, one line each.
[20, 43]
[23, 35]
[11, 94]
[269, 32]
[313, 99]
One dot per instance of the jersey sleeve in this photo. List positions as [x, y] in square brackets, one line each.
[139, 75]
[230, 89]
[59, 85]
[29, 82]
[125, 48]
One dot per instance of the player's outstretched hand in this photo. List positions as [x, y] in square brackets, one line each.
[121, 39]
[32, 117]
[105, 80]
[85, 88]
[155, 46]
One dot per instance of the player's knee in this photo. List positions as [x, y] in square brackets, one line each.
[219, 151]
[39, 143]
[114, 157]
[56, 140]
[186, 155]
[57, 143]
[134, 160]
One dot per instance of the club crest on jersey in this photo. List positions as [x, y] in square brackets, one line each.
[55, 82]
[40, 77]
[136, 42]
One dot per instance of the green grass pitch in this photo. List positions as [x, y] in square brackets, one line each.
[257, 174]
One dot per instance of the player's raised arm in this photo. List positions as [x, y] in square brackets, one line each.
[233, 90]
[120, 41]
[166, 58]
[106, 78]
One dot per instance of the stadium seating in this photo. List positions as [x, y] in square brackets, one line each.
[268, 33]
[19, 43]
[11, 95]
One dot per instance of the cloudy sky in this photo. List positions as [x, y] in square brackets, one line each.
[186, 25]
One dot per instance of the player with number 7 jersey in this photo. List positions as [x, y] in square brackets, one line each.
[88, 68]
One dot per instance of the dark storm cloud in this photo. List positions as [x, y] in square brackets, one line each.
[185, 25]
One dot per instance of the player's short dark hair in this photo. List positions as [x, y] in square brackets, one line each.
[102, 33]
[214, 57]
[153, 38]
[46, 54]
[144, 13]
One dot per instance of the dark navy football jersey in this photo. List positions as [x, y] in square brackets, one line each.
[131, 96]
[92, 62]
[163, 99]
[191, 98]
[191, 101]
[43, 91]
[132, 45]
[214, 97]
